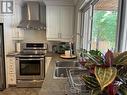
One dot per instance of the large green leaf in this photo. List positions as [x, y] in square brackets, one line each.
[122, 72]
[95, 92]
[105, 75]
[121, 59]
[91, 82]
[97, 55]
[122, 90]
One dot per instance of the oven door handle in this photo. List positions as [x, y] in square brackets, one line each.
[31, 59]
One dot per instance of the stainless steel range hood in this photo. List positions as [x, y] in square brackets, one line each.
[31, 16]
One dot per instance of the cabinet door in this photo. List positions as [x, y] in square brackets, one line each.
[67, 14]
[53, 22]
[11, 71]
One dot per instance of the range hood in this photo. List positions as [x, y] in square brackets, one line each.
[31, 16]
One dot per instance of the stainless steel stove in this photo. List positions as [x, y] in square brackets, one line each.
[31, 65]
[30, 54]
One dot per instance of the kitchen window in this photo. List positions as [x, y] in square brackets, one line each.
[100, 24]
[86, 26]
[86, 16]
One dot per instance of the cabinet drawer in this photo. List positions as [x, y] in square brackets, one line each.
[11, 59]
[11, 65]
[11, 71]
[12, 79]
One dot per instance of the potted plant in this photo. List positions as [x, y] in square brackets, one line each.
[107, 74]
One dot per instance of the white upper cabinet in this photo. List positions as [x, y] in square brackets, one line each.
[53, 23]
[67, 22]
[60, 23]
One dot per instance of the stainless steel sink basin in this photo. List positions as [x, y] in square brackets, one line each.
[67, 64]
[62, 67]
[60, 73]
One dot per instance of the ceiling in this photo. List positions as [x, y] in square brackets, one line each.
[73, 2]
[101, 5]
[107, 5]
[68, 2]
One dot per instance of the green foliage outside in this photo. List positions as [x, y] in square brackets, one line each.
[104, 26]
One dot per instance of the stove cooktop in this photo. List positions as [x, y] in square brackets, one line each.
[30, 54]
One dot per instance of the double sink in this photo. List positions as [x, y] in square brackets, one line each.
[62, 67]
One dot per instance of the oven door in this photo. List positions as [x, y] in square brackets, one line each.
[30, 68]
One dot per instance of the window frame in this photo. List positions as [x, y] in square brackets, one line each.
[91, 4]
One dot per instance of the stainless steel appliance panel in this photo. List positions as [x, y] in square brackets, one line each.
[35, 46]
[2, 59]
[30, 68]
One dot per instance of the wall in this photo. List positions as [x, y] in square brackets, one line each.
[34, 36]
[59, 2]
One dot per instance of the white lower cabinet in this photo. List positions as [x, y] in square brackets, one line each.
[11, 70]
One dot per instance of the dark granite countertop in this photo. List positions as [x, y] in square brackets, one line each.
[53, 86]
